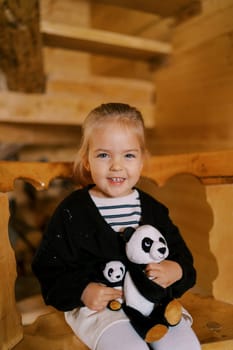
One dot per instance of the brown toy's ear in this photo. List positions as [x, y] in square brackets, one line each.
[128, 233]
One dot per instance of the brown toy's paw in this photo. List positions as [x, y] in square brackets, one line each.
[114, 305]
[173, 312]
[156, 333]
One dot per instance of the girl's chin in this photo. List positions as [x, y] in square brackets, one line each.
[117, 192]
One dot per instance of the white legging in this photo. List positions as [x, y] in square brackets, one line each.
[122, 336]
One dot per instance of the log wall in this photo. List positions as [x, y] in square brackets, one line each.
[194, 100]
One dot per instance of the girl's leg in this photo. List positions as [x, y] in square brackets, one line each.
[180, 337]
[121, 336]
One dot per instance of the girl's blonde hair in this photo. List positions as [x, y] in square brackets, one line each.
[120, 113]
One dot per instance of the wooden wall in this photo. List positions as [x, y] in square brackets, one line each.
[204, 216]
[194, 89]
[194, 113]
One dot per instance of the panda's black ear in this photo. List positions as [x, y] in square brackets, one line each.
[127, 233]
[102, 266]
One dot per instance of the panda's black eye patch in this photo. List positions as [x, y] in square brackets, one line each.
[162, 240]
[146, 244]
[110, 271]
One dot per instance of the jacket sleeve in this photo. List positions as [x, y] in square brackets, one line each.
[62, 272]
[180, 253]
[157, 214]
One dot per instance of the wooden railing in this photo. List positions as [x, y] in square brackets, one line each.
[214, 317]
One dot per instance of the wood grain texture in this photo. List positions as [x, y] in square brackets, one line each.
[213, 318]
[20, 46]
[161, 8]
[101, 42]
[11, 331]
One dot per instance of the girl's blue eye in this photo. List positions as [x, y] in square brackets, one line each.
[130, 155]
[102, 155]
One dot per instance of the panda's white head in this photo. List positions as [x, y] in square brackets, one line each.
[114, 271]
[145, 245]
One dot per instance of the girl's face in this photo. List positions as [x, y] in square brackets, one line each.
[115, 160]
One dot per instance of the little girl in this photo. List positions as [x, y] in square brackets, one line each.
[84, 232]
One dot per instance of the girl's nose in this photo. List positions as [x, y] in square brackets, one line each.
[116, 165]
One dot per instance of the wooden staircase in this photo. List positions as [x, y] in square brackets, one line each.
[45, 106]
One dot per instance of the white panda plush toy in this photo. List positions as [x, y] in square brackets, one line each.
[114, 272]
[149, 307]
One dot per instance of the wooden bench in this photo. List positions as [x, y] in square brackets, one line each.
[213, 316]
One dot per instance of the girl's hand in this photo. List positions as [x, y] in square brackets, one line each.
[165, 273]
[96, 296]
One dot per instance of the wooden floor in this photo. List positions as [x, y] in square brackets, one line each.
[213, 323]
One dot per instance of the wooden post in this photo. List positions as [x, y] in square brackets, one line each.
[20, 45]
[11, 331]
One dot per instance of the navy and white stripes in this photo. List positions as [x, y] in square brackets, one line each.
[120, 212]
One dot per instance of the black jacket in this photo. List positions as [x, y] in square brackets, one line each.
[78, 239]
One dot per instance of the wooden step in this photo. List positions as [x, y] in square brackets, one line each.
[168, 8]
[102, 42]
[67, 102]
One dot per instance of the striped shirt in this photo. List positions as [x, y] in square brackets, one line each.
[120, 212]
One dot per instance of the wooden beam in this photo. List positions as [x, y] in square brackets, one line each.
[11, 329]
[40, 134]
[209, 167]
[38, 173]
[126, 90]
[20, 45]
[102, 42]
[168, 8]
[55, 109]
[217, 166]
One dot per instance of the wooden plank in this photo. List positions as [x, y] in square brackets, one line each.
[40, 134]
[179, 139]
[11, 331]
[201, 71]
[216, 166]
[220, 345]
[74, 12]
[221, 240]
[209, 167]
[37, 173]
[50, 331]
[212, 324]
[137, 21]
[212, 318]
[102, 42]
[51, 109]
[162, 8]
[206, 27]
[20, 46]
[145, 25]
[112, 66]
[129, 91]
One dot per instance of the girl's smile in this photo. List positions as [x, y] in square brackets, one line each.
[116, 180]
[115, 160]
